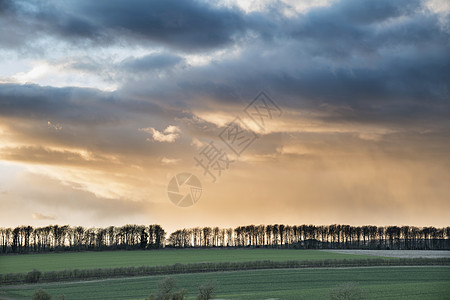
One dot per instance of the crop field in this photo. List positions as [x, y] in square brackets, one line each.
[112, 259]
[421, 282]
[375, 283]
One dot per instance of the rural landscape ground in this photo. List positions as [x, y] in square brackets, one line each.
[375, 282]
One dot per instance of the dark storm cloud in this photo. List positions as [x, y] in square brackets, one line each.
[4, 6]
[366, 61]
[389, 67]
[69, 105]
[382, 61]
[360, 12]
[369, 52]
[348, 27]
[186, 25]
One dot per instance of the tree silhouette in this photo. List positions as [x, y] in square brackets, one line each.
[24, 239]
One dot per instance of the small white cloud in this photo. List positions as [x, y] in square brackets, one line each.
[438, 6]
[38, 71]
[39, 216]
[169, 161]
[172, 129]
[169, 135]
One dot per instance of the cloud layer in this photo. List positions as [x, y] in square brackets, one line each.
[109, 100]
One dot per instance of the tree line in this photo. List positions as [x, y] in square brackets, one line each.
[24, 239]
[314, 237]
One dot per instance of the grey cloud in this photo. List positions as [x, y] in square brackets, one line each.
[80, 105]
[186, 25]
[385, 61]
[151, 62]
[367, 12]
[4, 6]
[99, 122]
[380, 62]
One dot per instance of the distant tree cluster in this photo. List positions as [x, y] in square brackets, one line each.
[168, 290]
[25, 239]
[314, 237]
[347, 290]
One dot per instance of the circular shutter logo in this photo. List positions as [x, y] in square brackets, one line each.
[184, 189]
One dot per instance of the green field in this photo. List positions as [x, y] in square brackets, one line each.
[112, 259]
[376, 283]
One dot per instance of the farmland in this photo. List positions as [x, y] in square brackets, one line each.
[113, 259]
[414, 282]
[387, 283]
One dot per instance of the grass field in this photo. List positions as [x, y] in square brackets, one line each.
[112, 259]
[376, 283]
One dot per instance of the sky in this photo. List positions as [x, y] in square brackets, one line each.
[102, 103]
